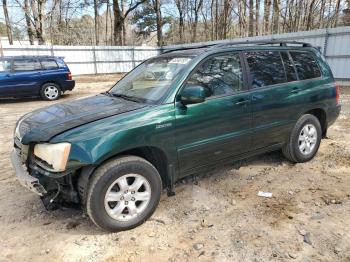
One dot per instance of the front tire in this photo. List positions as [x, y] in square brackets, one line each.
[50, 91]
[123, 193]
[304, 140]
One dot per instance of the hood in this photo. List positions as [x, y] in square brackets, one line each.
[43, 124]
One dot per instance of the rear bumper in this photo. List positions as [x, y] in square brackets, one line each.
[24, 178]
[332, 114]
[68, 85]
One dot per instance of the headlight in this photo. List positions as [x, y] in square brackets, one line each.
[56, 155]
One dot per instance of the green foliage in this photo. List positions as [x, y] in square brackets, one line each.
[144, 19]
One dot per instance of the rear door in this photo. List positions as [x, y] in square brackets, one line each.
[274, 96]
[219, 127]
[26, 76]
[6, 85]
[52, 71]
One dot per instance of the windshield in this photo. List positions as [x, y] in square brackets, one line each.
[150, 80]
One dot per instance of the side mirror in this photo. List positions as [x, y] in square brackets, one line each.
[192, 94]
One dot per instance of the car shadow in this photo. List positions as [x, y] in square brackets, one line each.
[12, 100]
[77, 222]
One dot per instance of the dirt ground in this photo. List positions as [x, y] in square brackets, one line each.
[213, 217]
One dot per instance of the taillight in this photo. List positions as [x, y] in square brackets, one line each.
[69, 76]
[337, 93]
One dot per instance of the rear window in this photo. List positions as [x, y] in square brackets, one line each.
[26, 65]
[266, 68]
[49, 64]
[5, 65]
[306, 65]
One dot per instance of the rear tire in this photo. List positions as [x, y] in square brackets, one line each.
[123, 193]
[50, 91]
[304, 140]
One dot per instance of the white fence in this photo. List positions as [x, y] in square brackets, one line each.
[90, 59]
[334, 44]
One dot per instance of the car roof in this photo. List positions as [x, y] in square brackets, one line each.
[31, 56]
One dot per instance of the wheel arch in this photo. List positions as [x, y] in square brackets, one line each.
[152, 154]
[321, 115]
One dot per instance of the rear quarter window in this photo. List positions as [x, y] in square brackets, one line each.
[306, 65]
[61, 63]
[49, 64]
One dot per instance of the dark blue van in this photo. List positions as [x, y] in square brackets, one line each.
[45, 76]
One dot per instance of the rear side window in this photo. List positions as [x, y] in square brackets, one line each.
[49, 64]
[306, 65]
[5, 65]
[266, 68]
[26, 65]
[288, 67]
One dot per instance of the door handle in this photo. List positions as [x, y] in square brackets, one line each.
[242, 101]
[7, 75]
[295, 90]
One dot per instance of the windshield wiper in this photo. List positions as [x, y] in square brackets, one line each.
[130, 98]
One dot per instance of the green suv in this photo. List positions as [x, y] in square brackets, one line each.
[172, 116]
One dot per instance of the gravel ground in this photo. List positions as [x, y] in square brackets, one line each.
[216, 216]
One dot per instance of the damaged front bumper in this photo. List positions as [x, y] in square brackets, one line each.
[23, 176]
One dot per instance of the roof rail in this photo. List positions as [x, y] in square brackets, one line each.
[264, 42]
[186, 48]
[233, 43]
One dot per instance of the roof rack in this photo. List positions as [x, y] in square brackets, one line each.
[264, 42]
[186, 48]
[247, 42]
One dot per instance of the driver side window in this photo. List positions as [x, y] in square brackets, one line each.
[219, 75]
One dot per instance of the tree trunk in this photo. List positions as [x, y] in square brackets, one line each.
[276, 15]
[310, 15]
[123, 24]
[38, 16]
[118, 25]
[8, 23]
[179, 5]
[336, 13]
[216, 19]
[107, 14]
[212, 19]
[28, 22]
[321, 19]
[251, 17]
[257, 16]
[196, 10]
[96, 22]
[267, 10]
[156, 5]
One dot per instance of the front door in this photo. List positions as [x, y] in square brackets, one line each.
[219, 127]
[6, 86]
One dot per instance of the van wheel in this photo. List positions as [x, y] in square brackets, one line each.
[123, 193]
[50, 91]
[304, 140]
